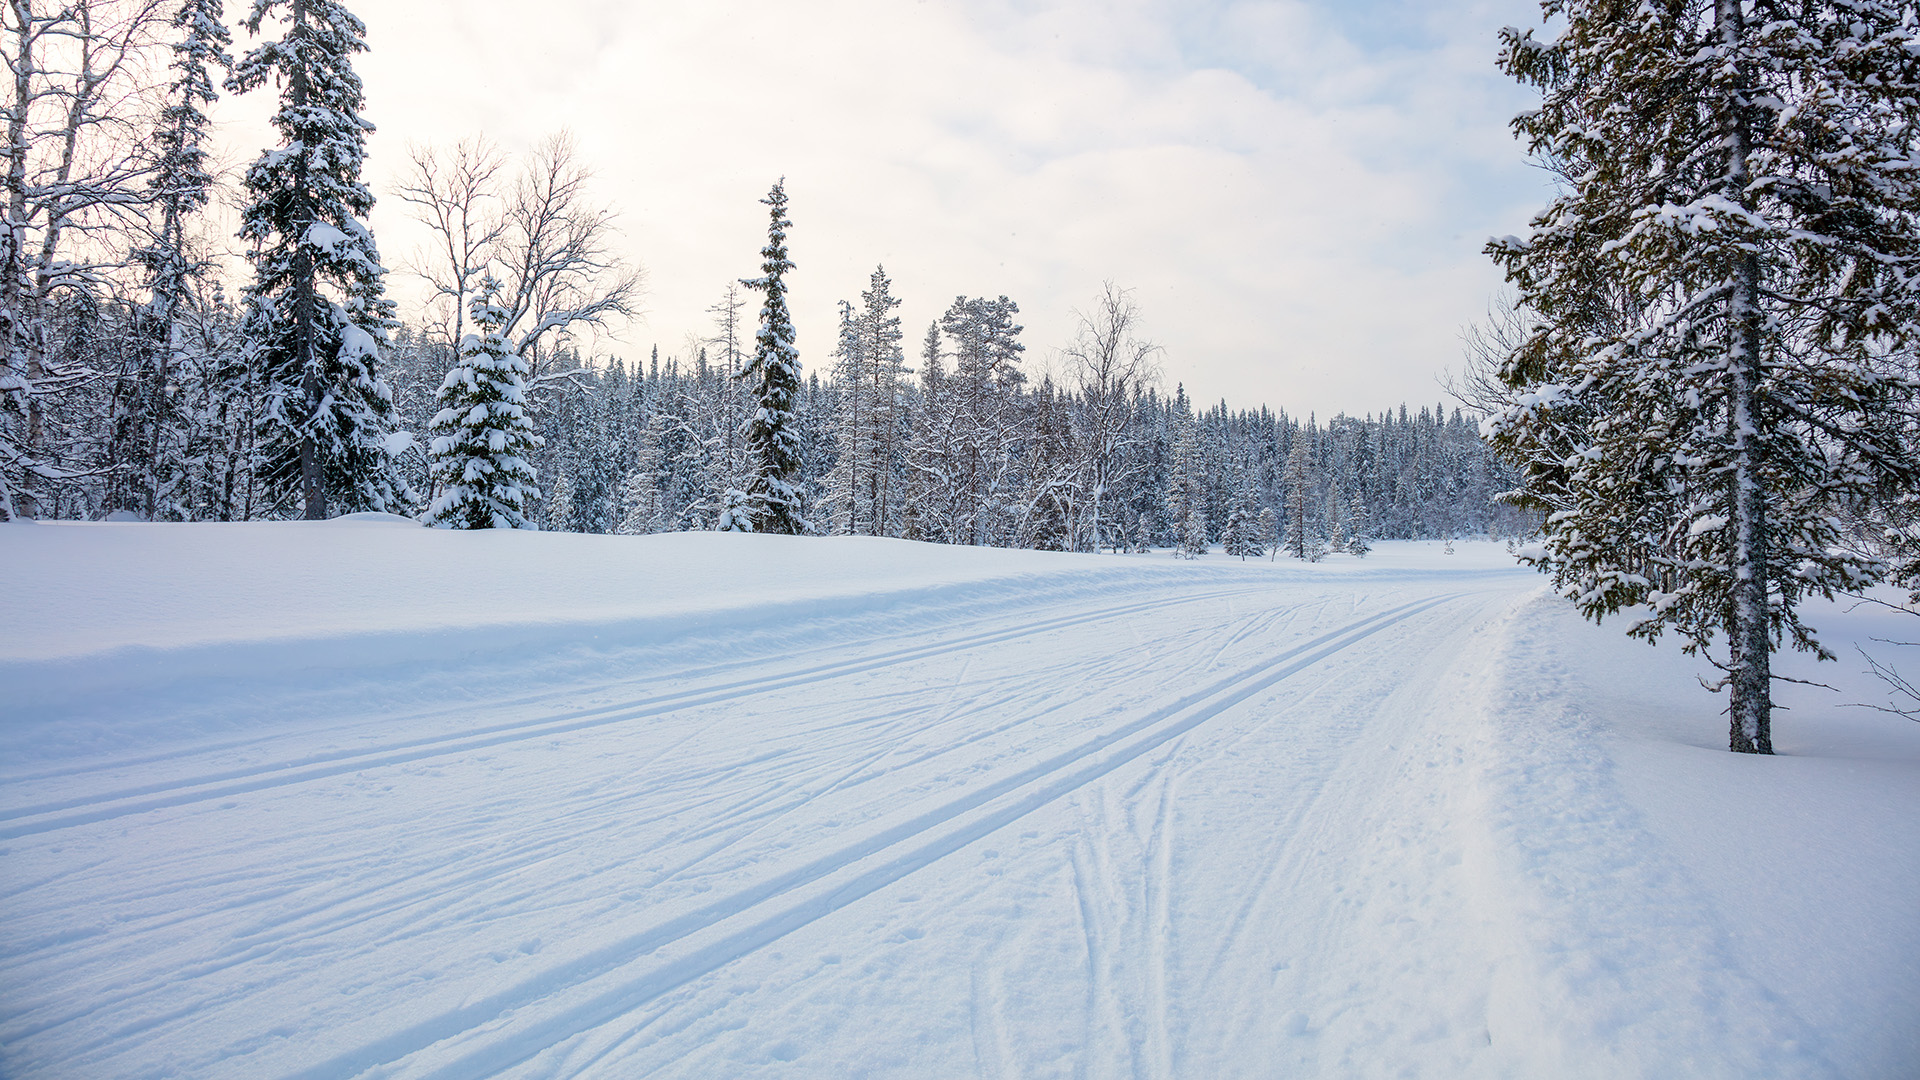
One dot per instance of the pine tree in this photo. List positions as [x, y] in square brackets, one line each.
[317, 315]
[482, 433]
[931, 452]
[1717, 302]
[843, 483]
[772, 438]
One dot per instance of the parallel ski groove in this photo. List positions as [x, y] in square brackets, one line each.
[126, 801]
[941, 831]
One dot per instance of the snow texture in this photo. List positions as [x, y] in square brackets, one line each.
[357, 798]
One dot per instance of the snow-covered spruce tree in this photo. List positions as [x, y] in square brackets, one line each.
[862, 483]
[736, 512]
[842, 503]
[1242, 536]
[1359, 533]
[1186, 484]
[1270, 531]
[1303, 539]
[927, 509]
[180, 185]
[642, 508]
[774, 373]
[881, 341]
[1193, 534]
[559, 507]
[1336, 519]
[1716, 305]
[482, 435]
[986, 428]
[317, 315]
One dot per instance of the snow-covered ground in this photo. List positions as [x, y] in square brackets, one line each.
[362, 799]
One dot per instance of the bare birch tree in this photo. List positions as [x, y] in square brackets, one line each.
[76, 173]
[1111, 365]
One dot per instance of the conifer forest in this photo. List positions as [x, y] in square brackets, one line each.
[157, 369]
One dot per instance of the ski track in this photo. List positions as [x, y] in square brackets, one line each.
[44, 817]
[902, 757]
[1045, 781]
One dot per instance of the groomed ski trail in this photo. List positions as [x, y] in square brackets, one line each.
[1135, 821]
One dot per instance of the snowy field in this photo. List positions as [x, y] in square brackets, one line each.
[359, 799]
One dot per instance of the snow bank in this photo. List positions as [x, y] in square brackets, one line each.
[112, 619]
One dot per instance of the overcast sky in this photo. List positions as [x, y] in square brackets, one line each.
[1297, 190]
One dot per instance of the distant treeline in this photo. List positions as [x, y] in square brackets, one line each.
[134, 384]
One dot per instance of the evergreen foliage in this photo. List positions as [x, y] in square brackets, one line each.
[177, 406]
[1269, 530]
[1359, 535]
[1303, 537]
[981, 437]
[643, 506]
[483, 435]
[1193, 534]
[1186, 482]
[773, 440]
[151, 450]
[1721, 304]
[736, 512]
[1242, 536]
[317, 316]
[866, 481]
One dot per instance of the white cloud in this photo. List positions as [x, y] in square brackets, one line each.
[1300, 213]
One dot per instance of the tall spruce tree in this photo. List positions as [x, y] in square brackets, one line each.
[1718, 304]
[862, 483]
[773, 440]
[181, 184]
[843, 505]
[1186, 482]
[985, 423]
[317, 316]
[482, 435]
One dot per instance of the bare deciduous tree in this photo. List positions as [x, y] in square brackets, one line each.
[454, 193]
[76, 172]
[560, 271]
[1111, 365]
[550, 247]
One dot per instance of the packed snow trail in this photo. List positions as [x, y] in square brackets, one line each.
[911, 811]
